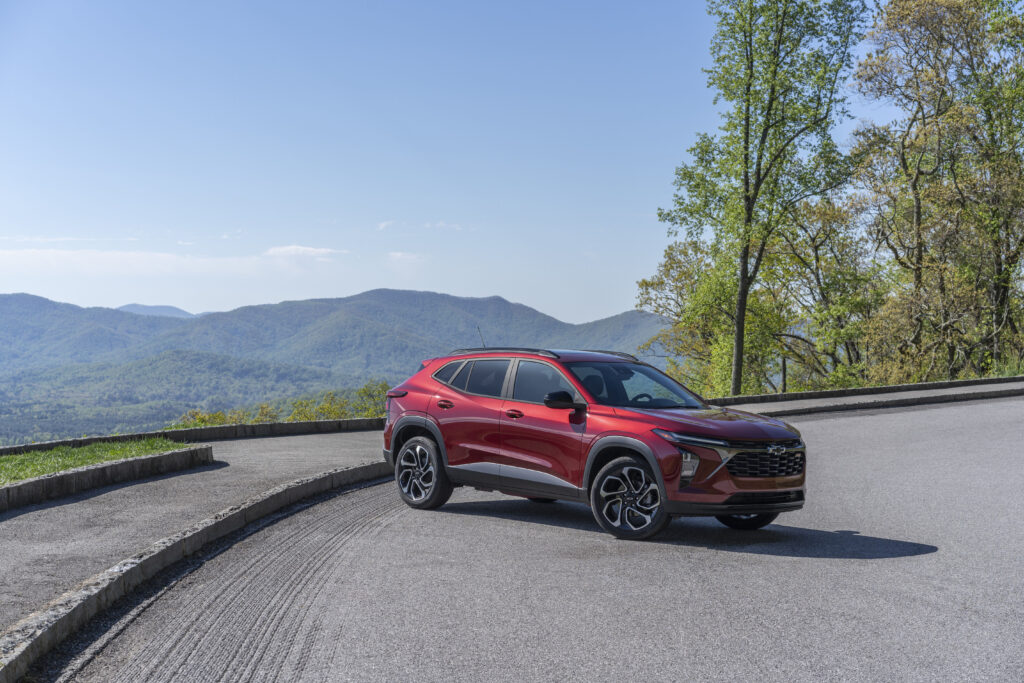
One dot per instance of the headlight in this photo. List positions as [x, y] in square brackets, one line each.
[676, 437]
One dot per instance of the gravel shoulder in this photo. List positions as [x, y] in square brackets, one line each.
[49, 548]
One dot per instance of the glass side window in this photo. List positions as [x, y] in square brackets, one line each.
[445, 374]
[487, 377]
[536, 380]
[460, 379]
[632, 385]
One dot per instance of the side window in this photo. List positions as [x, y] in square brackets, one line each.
[536, 380]
[487, 377]
[592, 380]
[460, 379]
[445, 374]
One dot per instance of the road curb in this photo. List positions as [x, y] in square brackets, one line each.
[890, 403]
[69, 482]
[35, 635]
[218, 433]
[860, 391]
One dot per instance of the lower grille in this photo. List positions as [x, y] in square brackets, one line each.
[766, 464]
[766, 498]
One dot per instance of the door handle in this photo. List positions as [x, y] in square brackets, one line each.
[445, 404]
[514, 414]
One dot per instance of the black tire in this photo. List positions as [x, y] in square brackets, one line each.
[420, 475]
[746, 522]
[626, 500]
[542, 501]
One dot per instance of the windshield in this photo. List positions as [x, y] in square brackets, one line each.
[631, 385]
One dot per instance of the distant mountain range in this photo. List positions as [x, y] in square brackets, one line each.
[67, 370]
[164, 311]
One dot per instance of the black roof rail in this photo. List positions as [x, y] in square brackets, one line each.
[621, 354]
[504, 349]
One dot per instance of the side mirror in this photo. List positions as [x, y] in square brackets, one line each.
[562, 400]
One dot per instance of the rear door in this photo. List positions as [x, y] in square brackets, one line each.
[468, 409]
[541, 447]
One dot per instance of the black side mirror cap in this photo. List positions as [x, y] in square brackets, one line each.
[562, 400]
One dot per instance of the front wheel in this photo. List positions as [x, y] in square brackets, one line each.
[626, 500]
[746, 522]
[420, 475]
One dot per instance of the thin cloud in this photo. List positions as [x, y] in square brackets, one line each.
[297, 250]
[384, 225]
[404, 256]
[442, 225]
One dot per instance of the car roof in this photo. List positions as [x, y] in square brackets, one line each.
[564, 355]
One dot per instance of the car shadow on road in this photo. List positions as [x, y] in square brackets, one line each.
[780, 540]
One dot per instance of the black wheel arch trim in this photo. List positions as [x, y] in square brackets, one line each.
[417, 421]
[603, 443]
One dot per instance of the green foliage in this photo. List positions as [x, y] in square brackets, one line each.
[37, 463]
[777, 68]
[900, 263]
[366, 401]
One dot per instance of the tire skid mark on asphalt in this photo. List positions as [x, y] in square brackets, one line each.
[263, 618]
[240, 607]
[230, 593]
[283, 602]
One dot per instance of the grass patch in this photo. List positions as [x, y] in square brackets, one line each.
[37, 463]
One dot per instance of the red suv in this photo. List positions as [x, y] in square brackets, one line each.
[598, 427]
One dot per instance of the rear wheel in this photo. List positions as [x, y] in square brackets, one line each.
[746, 522]
[420, 475]
[626, 500]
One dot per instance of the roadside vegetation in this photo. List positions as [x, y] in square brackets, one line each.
[37, 463]
[804, 262]
[366, 401]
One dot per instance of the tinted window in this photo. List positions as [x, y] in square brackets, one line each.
[460, 379]
[487, 377]
[632, 385]
[536, 380]
[445, 373]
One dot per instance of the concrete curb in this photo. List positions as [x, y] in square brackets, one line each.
[61, 484]
[860, 391]
[35, 635]
[892, 402]
[236, 431]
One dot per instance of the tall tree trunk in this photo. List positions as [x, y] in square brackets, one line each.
[739, 327]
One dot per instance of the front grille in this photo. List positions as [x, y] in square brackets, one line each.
[762, 464]
[766, 498]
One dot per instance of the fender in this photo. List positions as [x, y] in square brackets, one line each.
[417, 421]
[602, 443]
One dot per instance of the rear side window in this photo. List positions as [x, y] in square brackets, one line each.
[487, 377]
[460, 379]
[447, 372]
[536, 380]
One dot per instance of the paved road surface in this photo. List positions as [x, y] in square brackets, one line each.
[49, 548]
[905, 565]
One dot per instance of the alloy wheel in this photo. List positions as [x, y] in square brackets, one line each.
[630, 499]
[416, 474]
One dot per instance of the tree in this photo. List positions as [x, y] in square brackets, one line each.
[778, 65]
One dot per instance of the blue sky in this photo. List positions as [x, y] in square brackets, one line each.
[210, 155]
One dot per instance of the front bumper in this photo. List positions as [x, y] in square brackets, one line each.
[745, 503]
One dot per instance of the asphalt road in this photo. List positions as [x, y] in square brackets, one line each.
[51, 547]
[906, 564]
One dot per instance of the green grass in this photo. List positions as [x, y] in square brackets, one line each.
[37, 463]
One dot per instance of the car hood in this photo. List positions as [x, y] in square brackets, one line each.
[718, 423]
